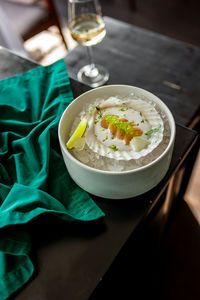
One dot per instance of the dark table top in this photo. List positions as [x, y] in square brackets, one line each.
[72, 259]
[166, 67]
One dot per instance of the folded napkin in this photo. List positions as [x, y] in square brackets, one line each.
[33, 177]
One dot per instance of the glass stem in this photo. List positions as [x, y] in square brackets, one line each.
[92, 71]
[90, 56]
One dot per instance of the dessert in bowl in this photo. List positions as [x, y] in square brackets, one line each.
[117, 141]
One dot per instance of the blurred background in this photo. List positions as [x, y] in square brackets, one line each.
[42, 24]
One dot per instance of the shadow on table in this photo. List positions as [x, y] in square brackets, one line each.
[146, 269]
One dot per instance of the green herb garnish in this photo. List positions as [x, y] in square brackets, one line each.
[153, 130]
[105, 139]
[113, 147]
[99, 112]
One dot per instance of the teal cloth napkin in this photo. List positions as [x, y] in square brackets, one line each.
[33, 177]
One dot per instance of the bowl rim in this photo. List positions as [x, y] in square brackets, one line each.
[95, 170]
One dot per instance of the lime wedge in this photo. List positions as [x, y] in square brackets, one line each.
[79, 143]
[139, 143]
[79, 131]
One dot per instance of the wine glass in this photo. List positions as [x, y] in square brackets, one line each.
[87, 28]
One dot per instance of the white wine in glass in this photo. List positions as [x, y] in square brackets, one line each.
[88, 28]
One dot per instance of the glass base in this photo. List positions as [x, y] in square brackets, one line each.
[93, 76]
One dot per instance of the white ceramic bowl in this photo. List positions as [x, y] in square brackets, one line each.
[107, 184]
